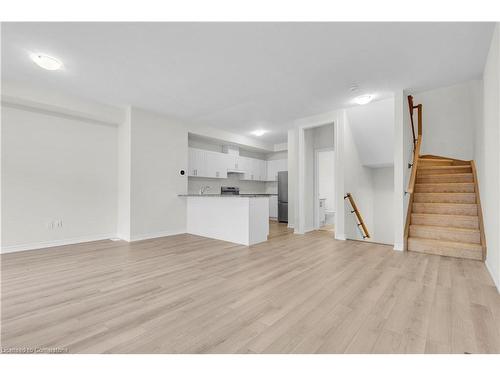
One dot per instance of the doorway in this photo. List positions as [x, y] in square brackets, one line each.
[324, 189]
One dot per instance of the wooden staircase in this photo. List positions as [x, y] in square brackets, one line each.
[445, 209]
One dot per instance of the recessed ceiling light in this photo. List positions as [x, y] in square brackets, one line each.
[363, 99]
[45, 61]
[259, 132]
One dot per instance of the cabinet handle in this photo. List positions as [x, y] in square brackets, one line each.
[216, 174]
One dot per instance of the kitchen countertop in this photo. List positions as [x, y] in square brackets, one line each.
[228, 195]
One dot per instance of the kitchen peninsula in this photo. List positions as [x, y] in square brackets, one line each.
[242, 219]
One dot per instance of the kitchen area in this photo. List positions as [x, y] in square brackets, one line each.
[233, 191]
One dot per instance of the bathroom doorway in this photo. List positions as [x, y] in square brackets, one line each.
[324, 192]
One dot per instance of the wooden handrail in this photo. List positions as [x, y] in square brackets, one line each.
[417, 142]
[355, 210]
[412, 107]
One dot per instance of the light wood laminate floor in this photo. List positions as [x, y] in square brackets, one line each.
[293, 294]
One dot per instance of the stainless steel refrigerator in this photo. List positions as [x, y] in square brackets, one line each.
[283, 197]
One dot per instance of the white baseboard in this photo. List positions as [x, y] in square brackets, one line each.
[76, 240]
[495, 279]
[46, 244]
[340, 237]
[398, 247]
[148, 236]
[290, 226]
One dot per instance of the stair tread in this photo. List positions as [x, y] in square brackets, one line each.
[446, 192]
[445, 183]
[445, 177]
[444, 187]
[448, 174]
[448, 203]
[446, 166]
[460, 245]
[433, 159]
[447, 228]
[443, 215]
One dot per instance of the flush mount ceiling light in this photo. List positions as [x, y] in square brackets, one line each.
[363, 99]
[259, 132]
[46, 62]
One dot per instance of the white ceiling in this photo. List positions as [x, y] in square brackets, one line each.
[243, 76]
[372, 126]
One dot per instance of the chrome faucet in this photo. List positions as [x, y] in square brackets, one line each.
[203, 189]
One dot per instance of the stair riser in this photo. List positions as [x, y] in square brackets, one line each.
[451, 209]
[469, 222]
[444, 198]
[444, 178]
[433, 171]
[415, 245]
[447, 234]
[444, 188]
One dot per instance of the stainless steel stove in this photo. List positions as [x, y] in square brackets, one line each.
[229, 190]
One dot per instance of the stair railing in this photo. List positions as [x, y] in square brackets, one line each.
[417, 142]
[360, 222]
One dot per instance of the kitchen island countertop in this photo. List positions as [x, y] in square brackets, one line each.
[228, 195]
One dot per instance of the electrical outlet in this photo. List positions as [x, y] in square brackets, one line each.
[59, 223]
[50, 225]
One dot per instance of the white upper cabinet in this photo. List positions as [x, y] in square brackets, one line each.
[210, 164]
[197, 163]
[204, 163]
[255, 169]
[216, 164]
[232, 162]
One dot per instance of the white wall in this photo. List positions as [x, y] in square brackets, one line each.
[104, 171]
[372, 126]
[308, 207]
[278, 155]
[383, 205]
[323, 136]
[326, 180]
[56, 168]
[358, 182]
[403, 155]
[293, 180]
[450, 115]
[124, 178]
[159, 150]
[487, 146]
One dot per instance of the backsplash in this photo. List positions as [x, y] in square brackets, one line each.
[246, 187]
